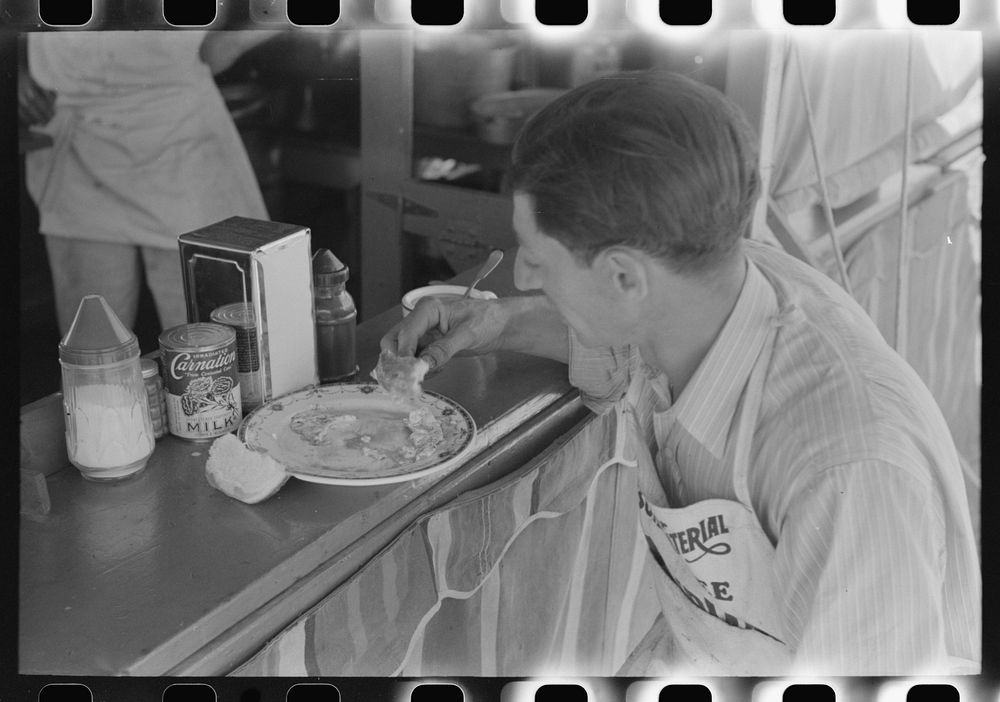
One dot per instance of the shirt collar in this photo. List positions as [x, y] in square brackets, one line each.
[708, 403]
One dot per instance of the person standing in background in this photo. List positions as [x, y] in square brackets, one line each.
[144, 149]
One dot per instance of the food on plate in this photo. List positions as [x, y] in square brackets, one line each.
[244, 474]
[315, 425]
[356, 433]
[401, 376]
[425, 431]
[375, 434]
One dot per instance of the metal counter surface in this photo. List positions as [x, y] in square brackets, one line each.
[161, 574]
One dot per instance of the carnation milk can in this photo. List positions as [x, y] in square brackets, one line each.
[200, 379]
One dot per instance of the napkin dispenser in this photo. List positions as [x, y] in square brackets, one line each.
[267, 266]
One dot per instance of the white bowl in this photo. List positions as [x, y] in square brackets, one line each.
[411, 298]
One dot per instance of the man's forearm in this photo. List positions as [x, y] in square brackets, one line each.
[534, 326]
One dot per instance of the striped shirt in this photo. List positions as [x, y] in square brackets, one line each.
[853, 476]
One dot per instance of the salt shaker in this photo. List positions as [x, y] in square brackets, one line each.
[109, 433]
[336, 318]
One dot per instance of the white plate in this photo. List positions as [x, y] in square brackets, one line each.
[359, 436]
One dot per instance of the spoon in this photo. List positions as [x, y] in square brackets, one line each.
[496, 255]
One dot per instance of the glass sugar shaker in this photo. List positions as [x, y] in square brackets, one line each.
[336, 318]
[155, 396]
[109, 433]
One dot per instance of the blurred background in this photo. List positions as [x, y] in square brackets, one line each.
[297, 103]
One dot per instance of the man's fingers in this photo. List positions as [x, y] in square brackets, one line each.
[35, 106]
[429, 338]
[390, 343]
[47, 110]
[27, 107]
[437, 353]
[404, 338]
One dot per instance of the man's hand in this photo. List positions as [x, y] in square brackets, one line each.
[35, 104]
[220, 50]
[437, 330]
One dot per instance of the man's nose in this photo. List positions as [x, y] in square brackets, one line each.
[524, 279]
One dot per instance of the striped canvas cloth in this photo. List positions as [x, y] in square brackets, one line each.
[539, 573]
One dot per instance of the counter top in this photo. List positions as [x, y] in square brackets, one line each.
[163, 575]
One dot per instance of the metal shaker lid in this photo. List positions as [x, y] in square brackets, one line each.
[328, 270]
[96, 336]
[149, 368]
[235, 314]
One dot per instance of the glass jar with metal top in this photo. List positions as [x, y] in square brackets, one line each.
[109, 434]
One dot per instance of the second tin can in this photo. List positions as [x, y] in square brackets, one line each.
[200, 379]
[155, 396]
[239, 316]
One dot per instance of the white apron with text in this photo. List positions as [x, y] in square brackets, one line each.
[712, 562]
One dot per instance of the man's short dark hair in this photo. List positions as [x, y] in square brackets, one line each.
[647, 159]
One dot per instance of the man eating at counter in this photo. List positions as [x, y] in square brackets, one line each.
[799, 490]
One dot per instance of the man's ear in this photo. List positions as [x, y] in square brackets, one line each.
[625, 272]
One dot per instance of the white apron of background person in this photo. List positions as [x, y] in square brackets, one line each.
[144, 148]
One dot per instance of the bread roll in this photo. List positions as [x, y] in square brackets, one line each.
[247, 475]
